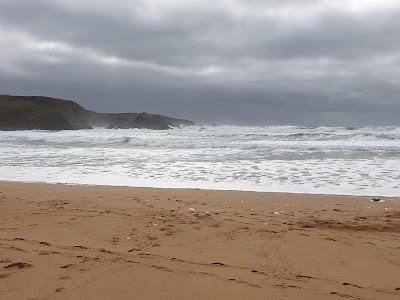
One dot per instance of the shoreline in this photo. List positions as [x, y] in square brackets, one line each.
[62, 241]
[201, 189]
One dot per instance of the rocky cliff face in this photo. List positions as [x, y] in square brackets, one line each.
[134, 120]
[25, 113]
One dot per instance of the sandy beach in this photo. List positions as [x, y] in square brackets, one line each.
[97, 242]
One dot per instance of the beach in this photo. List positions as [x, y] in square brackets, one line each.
[102, 242]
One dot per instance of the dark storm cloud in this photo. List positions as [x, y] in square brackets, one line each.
[241, 61]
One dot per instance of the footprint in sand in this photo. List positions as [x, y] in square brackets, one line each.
[83, 270]
[47, 252]
[161, 268]
[341, 295]
[105, 251]
[18, 265]
[17, 249]
[134, 250]
[68, 266]
[244, 282]
[353, 285]
[177, 259]
[306, 276]
[81, 247]
[5, 261]
[115, 240]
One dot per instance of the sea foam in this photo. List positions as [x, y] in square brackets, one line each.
[321, 160]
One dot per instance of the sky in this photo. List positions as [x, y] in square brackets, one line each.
[300, 62]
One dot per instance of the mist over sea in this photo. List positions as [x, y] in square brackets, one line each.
[321, 160]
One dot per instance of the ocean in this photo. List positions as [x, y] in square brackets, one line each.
[316, 160]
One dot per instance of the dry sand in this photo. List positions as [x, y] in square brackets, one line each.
[85, 242]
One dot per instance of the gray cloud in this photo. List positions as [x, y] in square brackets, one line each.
[306, 62]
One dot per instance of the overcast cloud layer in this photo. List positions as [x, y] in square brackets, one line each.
[243, 61]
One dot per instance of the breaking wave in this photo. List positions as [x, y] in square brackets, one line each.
[339, 160]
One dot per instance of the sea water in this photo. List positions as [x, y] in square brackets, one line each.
[318, 160]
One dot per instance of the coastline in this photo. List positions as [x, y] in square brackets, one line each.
[99, 242]
[360, 196]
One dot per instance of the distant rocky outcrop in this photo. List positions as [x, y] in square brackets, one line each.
[35, 112]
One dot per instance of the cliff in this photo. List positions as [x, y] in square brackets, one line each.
[27, 113]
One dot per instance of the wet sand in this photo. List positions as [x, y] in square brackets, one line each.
[86, 242]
